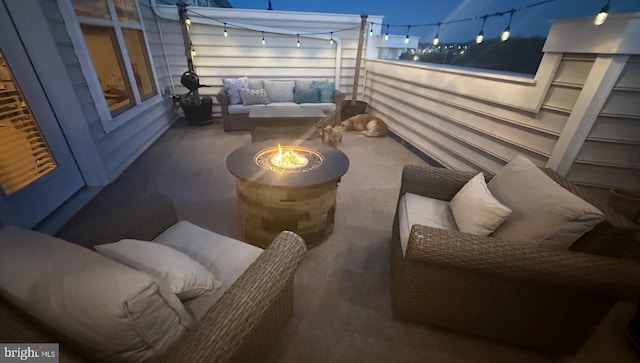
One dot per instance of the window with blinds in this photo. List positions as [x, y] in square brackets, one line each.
[24, 154]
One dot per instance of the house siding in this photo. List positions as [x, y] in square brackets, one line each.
[610, 156]
[481, 134]
[122, 146]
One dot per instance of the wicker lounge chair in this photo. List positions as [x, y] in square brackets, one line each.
[242, 326]
[506, 290]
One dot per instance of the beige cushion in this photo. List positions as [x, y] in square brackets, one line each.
[279, 91]
[475, 210]
[324, 107]
[543, 211]
[416, 209]
[225, 257]
[241, 109]
[111, 311]
[180, 273]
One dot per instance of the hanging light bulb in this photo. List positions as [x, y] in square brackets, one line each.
[371, 29]
[187, 21]
[480, 36]
[193, 53]
[436, 39]
[225, 30]
[386, 35]
[507, 31]
[602, 15]
[406, 39]
[331, 40]
[298, 42]
[264, 42]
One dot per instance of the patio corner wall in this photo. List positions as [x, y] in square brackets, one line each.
[241, 53]
[579, 115]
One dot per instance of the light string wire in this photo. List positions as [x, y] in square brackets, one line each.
[439, 24]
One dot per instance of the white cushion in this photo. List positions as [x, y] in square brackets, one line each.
[279, 91]
[475, 210]
[324, 107]
[543, 211]
[180, 273]
[238, 109]
[111, 311]
[255, 84]
[225, 257]
[416, 209]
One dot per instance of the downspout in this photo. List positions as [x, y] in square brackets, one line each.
[338, 63]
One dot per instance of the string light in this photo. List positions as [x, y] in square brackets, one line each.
[480, 36]
[600, 18]
[193, 53]
[507, 31]
[602, 15]
[436, 39]
[406, 39]
[264, 42]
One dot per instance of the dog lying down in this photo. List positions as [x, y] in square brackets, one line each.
[369, 125]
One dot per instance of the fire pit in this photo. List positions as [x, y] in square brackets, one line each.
[290, 185]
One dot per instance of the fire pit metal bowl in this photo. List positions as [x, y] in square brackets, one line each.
[299, 196]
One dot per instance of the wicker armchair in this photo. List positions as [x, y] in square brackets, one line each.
[242, 326]
[506, 290]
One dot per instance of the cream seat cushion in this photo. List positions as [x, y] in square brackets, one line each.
[240, 109]
[324, 107]
[416, 209]
[543, 211]
[108, 310]
[225, 257]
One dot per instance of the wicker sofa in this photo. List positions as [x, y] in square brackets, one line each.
[236, 117]
[506, 290]
[241, 326]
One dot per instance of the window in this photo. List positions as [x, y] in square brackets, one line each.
[115, 41]
[24, 154]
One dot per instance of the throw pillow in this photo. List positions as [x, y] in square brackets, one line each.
[180, 273]
[306, 95]
[475, 210]
[543, 211]
[326, 90]
[280, 91]
[108, 310]
[254, 96]
[233, 87]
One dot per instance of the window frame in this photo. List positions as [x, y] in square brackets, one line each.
[110, 120]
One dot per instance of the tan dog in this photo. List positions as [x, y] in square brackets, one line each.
[332, 135]
[369, 125]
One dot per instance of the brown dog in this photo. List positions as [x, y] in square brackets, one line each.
[369, 125]
[332, 135]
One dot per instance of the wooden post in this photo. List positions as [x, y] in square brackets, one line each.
[188, 46]
[356, 77]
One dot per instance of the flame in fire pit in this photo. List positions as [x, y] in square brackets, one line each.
[288, 159]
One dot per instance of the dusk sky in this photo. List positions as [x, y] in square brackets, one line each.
[527, 22]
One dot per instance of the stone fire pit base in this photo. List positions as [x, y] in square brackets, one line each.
[266, 210]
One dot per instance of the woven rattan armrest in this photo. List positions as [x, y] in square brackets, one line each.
[228, 324]
[144, 219]
[524, 262]
[433, 182]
